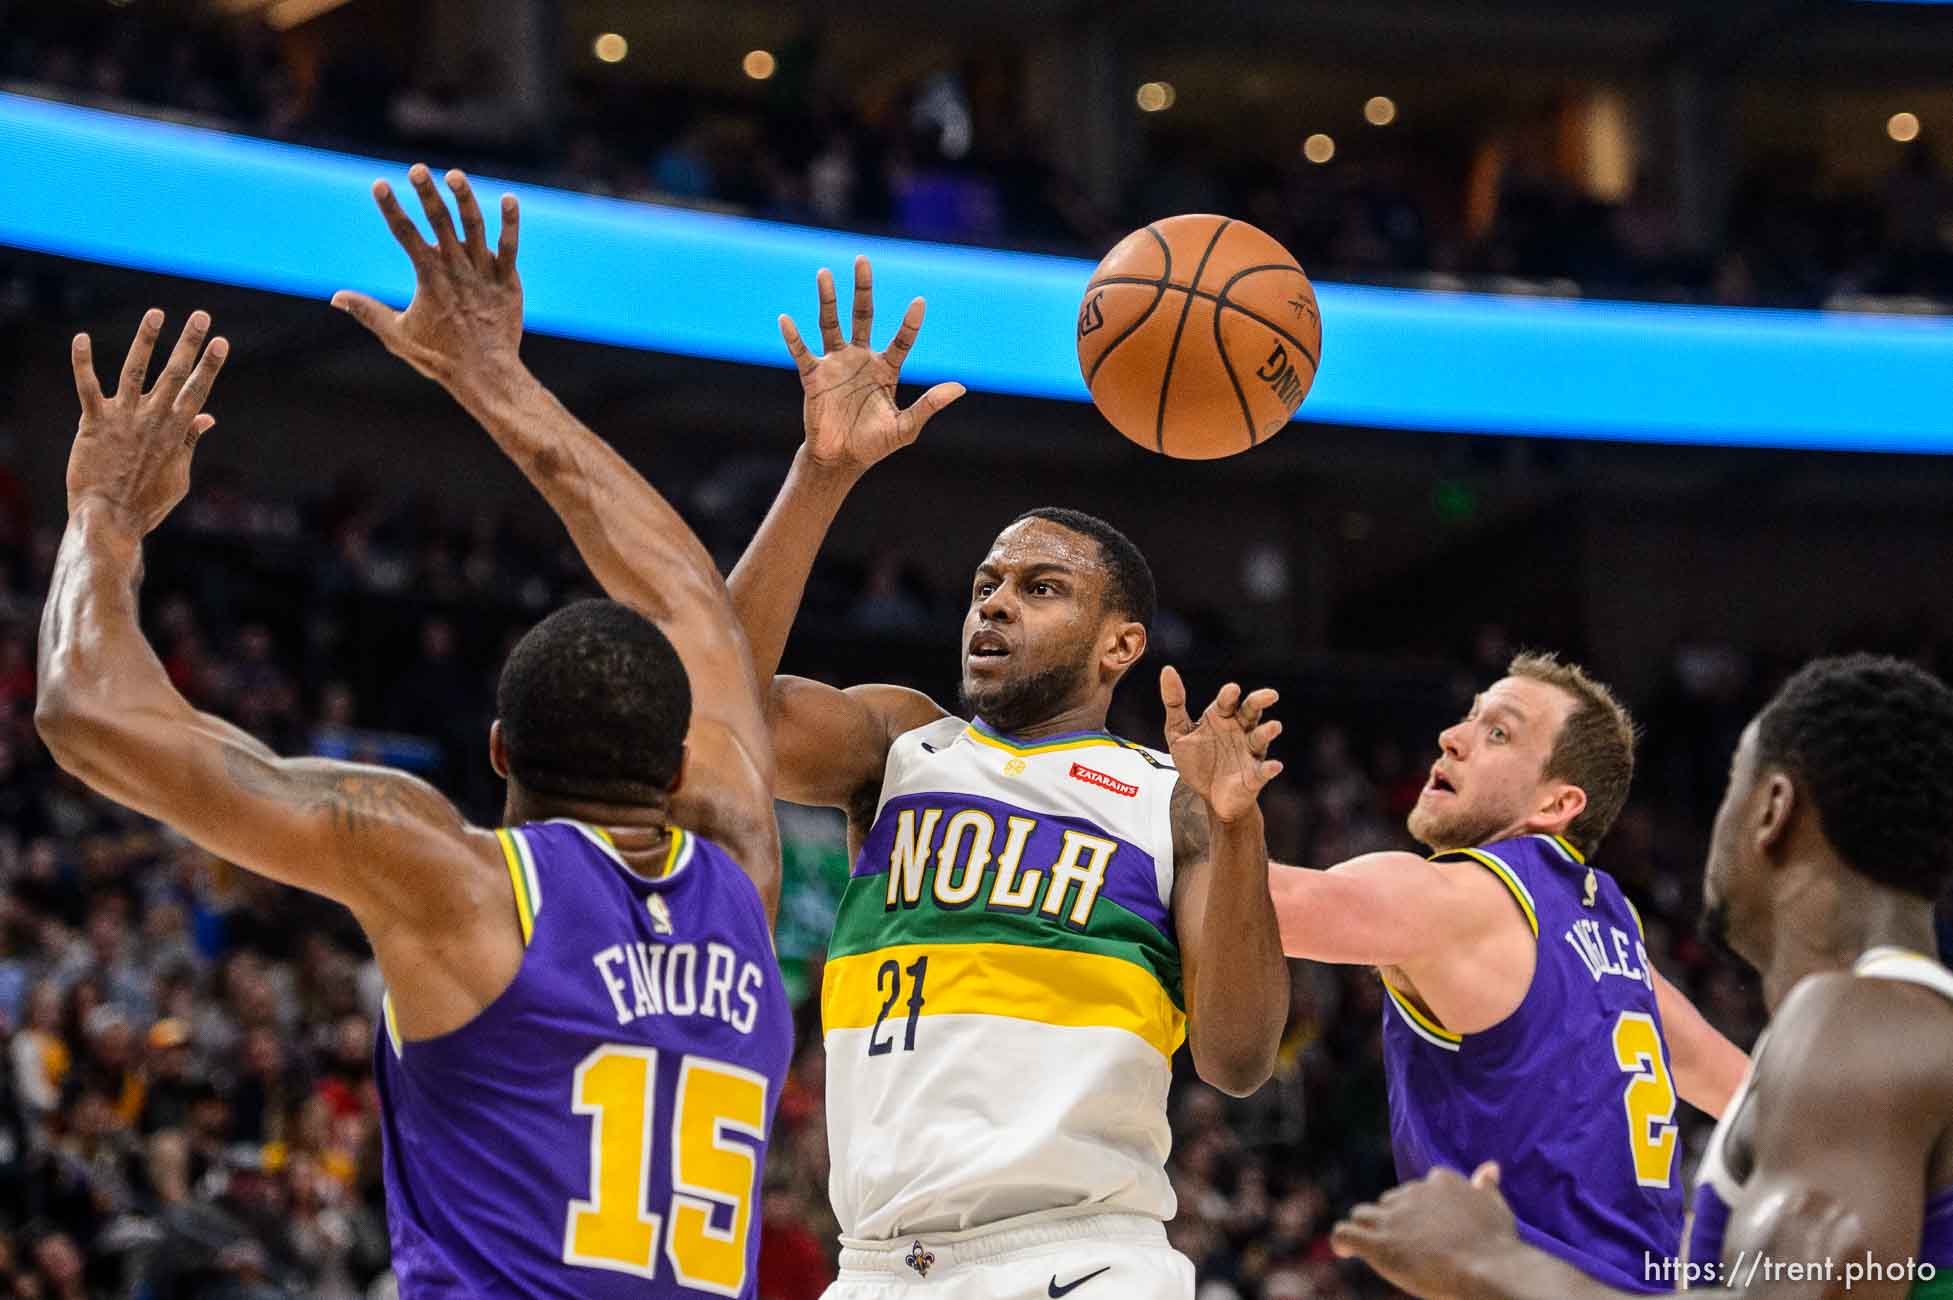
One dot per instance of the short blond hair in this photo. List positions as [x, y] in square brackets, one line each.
[1595, 747]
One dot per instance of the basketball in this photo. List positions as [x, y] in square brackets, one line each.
[1199, 336]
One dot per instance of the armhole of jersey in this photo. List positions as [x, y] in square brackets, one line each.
[1507, 876]
[1165, 869]
[522, 875]
[1635, 912]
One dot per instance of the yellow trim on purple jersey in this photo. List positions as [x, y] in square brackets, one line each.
[1422, 1025]
[525, 908]
[1492, 864]
[1051, 986]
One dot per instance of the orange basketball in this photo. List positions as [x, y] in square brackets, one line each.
[1199, 336]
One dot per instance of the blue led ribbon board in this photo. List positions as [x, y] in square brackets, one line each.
[231, 209]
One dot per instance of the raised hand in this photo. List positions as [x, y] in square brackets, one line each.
[466, 315]
[132, 450]
[850, 412]
[1424, 1235]
[1224, 757]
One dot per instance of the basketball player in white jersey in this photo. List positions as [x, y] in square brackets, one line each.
[1039, 912]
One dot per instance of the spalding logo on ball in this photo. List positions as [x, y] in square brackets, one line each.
[1199, 336]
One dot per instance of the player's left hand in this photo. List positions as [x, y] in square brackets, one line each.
[1422, 1235]
[465, 320]
[132, 451]
[848, 392]
[1224, 758]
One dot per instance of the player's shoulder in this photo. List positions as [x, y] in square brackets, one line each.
[1895, 1028]
[933, 733]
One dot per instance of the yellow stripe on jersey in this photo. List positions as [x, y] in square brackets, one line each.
[1423, 1024]
[393, 1026]
[525, 911]
[1567, 844]
[1046, 985]
[1089, 742]
[671, 854]
[1637, 917]
[1512, 882]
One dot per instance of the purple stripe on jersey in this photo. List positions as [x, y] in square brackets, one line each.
[1131, 877]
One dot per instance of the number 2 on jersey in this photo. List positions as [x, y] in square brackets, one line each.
[615, 1228]
[889, 979]
[1649, 1098]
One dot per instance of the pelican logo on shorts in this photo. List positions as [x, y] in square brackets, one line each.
[660, 913]
[1015, 767]
[1279, 374]
[920, 1260]
[1091, 316]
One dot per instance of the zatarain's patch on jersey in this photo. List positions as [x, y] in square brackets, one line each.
[1092, 776]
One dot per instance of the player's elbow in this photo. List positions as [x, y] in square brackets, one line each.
[1237, 1069]
[78, 731]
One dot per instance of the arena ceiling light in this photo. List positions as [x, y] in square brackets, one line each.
[229, 209]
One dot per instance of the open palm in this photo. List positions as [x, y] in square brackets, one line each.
[850, 410]
[1224, 757]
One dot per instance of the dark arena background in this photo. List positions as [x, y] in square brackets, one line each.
[1636, 348]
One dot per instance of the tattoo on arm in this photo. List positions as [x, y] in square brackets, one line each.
[358, 802]
[1192, 839]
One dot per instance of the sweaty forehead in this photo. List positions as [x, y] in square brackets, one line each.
[1041, 541]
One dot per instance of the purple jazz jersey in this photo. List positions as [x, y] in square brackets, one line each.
[1571, 1093]
[599, 1129]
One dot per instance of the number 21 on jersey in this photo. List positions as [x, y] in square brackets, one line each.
[615, 1227]
[1649, 1098]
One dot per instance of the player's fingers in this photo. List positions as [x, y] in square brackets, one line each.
[370, 312]
[1173, 694]
[88, 385]
[1228, 700]
[830, 312]
[1262, 737]
[925, 407]
[511, 236]
[898, 347]
[474, 231]
[1252, 704]
[405, 232]
[197, 391]
[434, 206]
[136, 365]
[1486, 1175]
[1349, 1241]
[182, 356]
[1270, 769]
[796, 346]
[198, 428]
[864, 302]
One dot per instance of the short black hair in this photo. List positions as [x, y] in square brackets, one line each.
[1129, 586]
[594, 704]
[1871, 740]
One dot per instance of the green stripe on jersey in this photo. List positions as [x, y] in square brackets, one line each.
[863, 923]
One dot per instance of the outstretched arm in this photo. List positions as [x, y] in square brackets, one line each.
[1708, 1068]
[830, 743]
[1382, 909]
[463, 329]
[1237, 986]
[383, 843]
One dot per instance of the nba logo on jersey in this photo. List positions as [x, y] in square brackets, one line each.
[660, 913]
